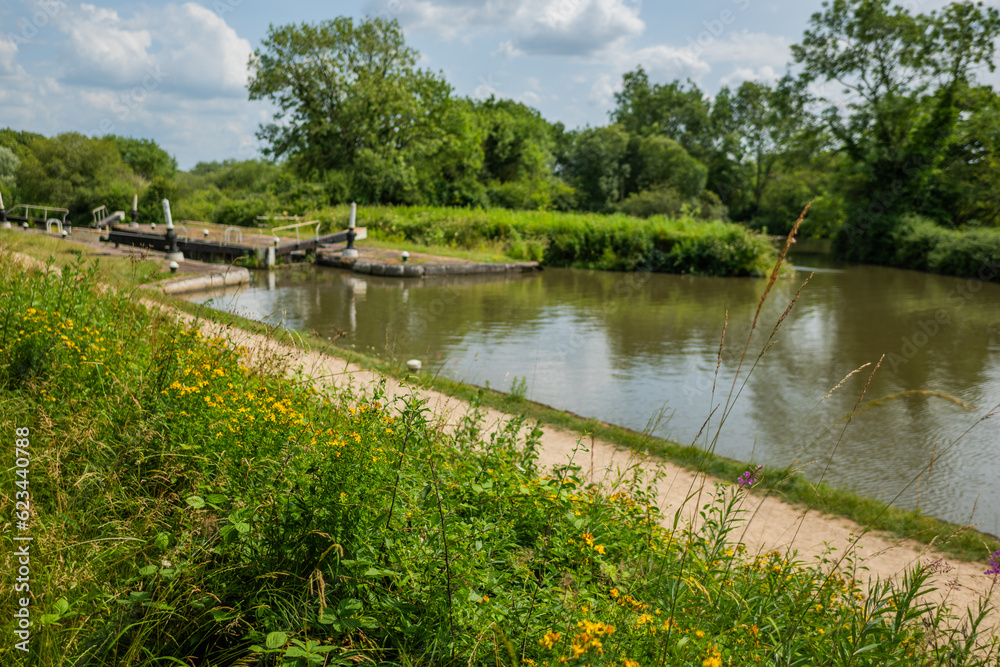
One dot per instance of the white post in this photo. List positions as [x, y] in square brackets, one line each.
[166, 214]
[350, 251]
[4, 223]
[134, 224]
[173, 252]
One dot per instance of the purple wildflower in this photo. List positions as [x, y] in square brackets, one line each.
[749, 478]
[994, 570]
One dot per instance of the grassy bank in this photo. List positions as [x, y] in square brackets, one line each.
[189, 507]
[914, 242]
[593, 241]
[118, 271]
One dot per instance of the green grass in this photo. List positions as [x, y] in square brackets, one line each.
[593, 241]
[485, 253]
[189, 506]
[117, 271]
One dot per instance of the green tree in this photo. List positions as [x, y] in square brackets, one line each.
[901, 75]
[76, 172]
[967, 188]
[661, 162]
[145, 157]
[597, 165]
[348, 93]
[9, 164]
[683, 115]
[768, 123]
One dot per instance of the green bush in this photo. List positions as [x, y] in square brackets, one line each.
[243, 212]
[607, 242]
[916, 242]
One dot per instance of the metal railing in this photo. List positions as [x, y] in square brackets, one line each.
[57, 223]
[295, 226]
[101, 214]
[239, 234]
[45, 211]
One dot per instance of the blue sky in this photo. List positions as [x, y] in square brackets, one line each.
[176, 71]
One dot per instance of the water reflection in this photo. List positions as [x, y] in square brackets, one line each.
[620, 347]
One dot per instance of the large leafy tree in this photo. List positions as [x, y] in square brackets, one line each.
[671, 110]
[145, 157]
[769, 123]
[896, 80]
[349, 93]
[75, 172]
[598, 166]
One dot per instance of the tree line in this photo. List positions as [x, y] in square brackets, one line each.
[880, 118]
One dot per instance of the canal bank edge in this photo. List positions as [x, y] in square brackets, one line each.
[228, 276]
[400, 270]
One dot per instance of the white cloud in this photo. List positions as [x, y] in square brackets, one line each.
[665, 62]
[101, 47]
[538, 27]
[8, 57]
[747, 48]
[530, 98]
[602, 92]
[176, 73]
[208, 56]
[187, 48]
[766, 74]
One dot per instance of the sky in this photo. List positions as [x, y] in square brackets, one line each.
[176, 71]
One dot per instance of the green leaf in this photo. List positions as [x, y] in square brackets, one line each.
[196, 502]
[147, 571]
[276, 639]
[163, 541]
[217, 499]
[348, 607]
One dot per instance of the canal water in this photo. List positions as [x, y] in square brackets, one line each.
[641, 350]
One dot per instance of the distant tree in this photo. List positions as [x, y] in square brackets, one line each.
[661, 162]
[895, 113]
[597, 165]
[768, 123]
[346, 93]
[145, 157]
[18, 140]
[517, 141]
[683, 115]
[9, 164]
[75, 172]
